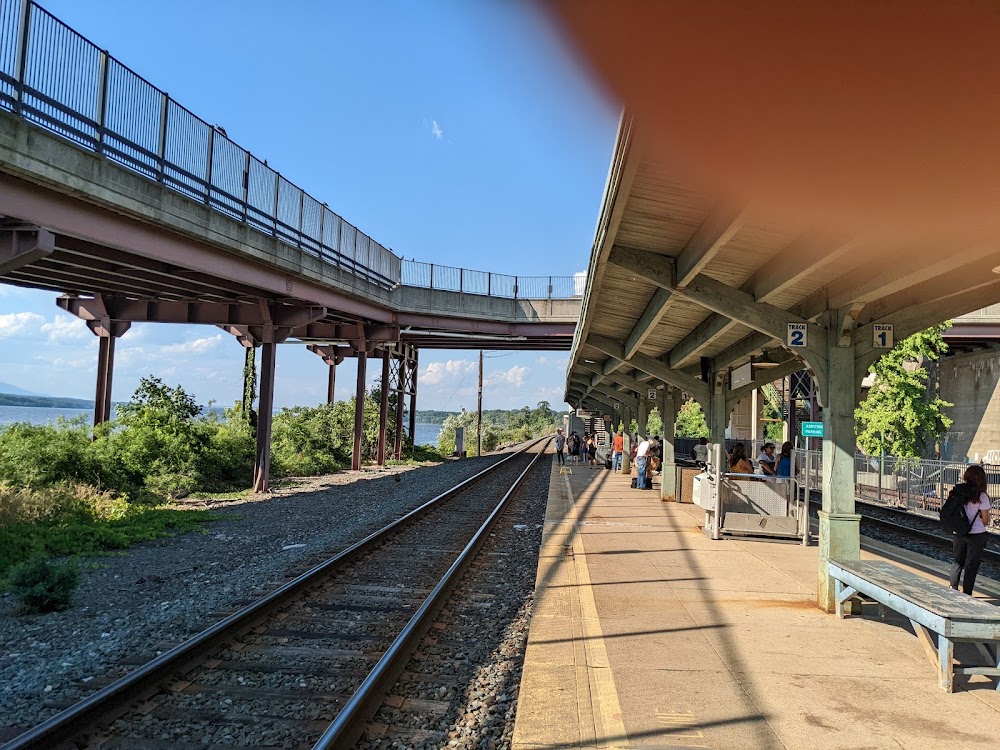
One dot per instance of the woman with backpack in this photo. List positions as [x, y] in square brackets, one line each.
[968, 548]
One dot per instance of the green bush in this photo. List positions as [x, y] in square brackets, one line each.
[41, 586]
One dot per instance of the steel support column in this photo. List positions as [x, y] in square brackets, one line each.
[413, 396]
[383, 407]
[401, 375]
[839, 525]
[359, 410]
[331, 383]
[262, 462]
[107, 331]
[105, 372]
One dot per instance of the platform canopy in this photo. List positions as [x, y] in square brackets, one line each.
[683, 287]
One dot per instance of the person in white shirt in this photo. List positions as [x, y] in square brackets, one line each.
[767, 460]
[968, 549]
[641, 480]
[700, 451]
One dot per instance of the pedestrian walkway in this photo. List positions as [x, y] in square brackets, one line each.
[646, 634]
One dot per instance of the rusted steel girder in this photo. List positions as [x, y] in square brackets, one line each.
[21, 244]
[413, 396]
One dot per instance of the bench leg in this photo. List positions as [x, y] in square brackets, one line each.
[842, 594]
[946, 654]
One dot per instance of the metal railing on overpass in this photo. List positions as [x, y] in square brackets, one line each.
[452, 279]
[53, 77]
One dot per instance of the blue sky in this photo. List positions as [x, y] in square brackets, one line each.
[453, 132]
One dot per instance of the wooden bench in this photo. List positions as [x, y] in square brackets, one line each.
[932, 608]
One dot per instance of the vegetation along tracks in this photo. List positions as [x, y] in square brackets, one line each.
[277, 672]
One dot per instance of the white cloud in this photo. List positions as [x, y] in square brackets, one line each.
[543, 360]
[20, 324]
[198, 346]
[579, 283]
[65, 328]
[436, 131]
[514, 376]
[438, 372]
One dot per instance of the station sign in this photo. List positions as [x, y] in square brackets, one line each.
[882, 336]
[741, 375]
[798, 335]
[651, 394]
[812, 429]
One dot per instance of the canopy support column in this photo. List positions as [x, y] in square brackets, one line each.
[839, 525]
[669, 405]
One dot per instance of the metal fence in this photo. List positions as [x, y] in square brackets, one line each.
[55, 78]
[451, 279]
[914, 484]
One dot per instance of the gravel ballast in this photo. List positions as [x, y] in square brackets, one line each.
[155, 595]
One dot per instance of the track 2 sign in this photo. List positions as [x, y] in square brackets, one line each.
[798, 335]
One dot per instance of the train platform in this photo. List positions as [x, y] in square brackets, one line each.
[647, 634]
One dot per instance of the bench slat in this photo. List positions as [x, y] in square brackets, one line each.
[933, 597]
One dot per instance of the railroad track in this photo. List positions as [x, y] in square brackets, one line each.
[908, 525]
[308, 664]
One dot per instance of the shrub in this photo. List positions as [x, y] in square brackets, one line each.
[41, 455]
[43, 587]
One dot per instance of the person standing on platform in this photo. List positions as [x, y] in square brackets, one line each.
[968, 548]
[641, 480]
[700, 451]
[783, 467]
[618, 447]
[560, 445]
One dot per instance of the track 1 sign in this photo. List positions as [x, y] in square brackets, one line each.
[798, 335]
[812, 429]
[882, 336]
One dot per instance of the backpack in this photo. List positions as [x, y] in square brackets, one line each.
[954, 519]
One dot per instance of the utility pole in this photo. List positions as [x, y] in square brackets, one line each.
[479, 409]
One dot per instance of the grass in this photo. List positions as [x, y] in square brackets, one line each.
[76, 520]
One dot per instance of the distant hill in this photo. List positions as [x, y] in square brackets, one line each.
[431, 416]
[13, 389]
[51, 402]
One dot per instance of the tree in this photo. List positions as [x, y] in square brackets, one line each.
[691, 421]
[899, 416]
[654, 423]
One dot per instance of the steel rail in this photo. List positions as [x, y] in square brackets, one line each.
[347, 728]
[107, 701]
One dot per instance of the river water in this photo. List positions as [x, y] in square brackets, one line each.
[427, 434]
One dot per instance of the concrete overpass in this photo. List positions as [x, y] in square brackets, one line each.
[134, 209]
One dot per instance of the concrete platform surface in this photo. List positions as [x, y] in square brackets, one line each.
[647, 634]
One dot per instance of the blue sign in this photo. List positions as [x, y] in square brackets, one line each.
[812, 429]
